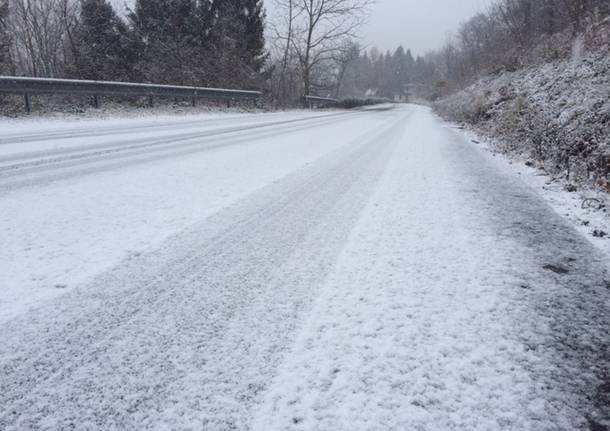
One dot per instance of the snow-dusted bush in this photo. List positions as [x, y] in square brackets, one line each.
[356, 103]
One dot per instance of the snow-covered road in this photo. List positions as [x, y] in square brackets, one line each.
[298, 271]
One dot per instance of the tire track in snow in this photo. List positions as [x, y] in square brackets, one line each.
[566, 281]
[85, 160]
[21, 138]
[440, 313]
[189, 336]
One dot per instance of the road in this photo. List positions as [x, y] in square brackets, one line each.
[368, 270]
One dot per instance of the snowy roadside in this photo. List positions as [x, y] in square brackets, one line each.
[443, 310]
[586, 209]
[53, 112]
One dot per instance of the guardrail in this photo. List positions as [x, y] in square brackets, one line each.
[97, 89]
[314, 101]
[348, 103]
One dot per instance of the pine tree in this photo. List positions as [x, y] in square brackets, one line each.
[100, 43]
[400, 65]
[168, 42]
[200, 42]
[237, 37]
[254, 18]
[389, 76]
[409, 66]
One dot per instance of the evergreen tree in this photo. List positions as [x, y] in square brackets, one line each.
[168, 41]
[200, 42]
[237, 37]
[386, 75]
[363, 73]
[100, 43]
[409, 66]
[401, 67]
[389, 76]
[254, 18]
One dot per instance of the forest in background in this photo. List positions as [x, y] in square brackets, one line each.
[307, 47]
[513, 34]
[181, 42]
[312, 47]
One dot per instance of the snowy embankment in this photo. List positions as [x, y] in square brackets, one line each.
[551, 122]
[556, 115]
[586, 208]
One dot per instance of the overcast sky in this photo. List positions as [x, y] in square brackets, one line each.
[421, 25]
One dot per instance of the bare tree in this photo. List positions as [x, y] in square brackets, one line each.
[284, 67]
[288, 6]
[513, 33]
[5, 39]
[343, 58]
[39, 29]
[319, 29]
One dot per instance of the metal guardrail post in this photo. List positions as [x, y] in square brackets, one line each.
[96, 102]
[28, 108]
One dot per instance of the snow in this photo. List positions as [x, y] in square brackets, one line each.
[58, 235]
[24, 136]
[418, 326]
[586, 209]
[365, 271]
[190, 333]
